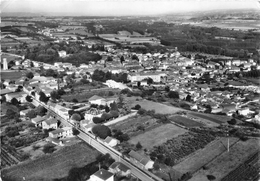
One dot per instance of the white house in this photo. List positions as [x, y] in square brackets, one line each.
[119, 168]
[102, 175]
[140, 160]
[62, 53]
[50, 123]
[245, 111]
[97, 100]
[37, 121]
[111, 141]
[156, 76]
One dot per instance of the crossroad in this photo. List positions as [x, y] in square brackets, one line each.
[143, 175]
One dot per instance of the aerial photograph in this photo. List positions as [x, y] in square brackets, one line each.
[130, 90]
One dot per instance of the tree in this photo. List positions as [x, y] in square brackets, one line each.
[55, 95]
[141, 111]
[173, 94]
[43, 97]
[76, 117]
[122, 59]
[149, 81]
[113, 106]
[114, 114]
[75, 132]
[233, 121]
[29, 75]
[101, 131]
[41, 111]
[31, 114]
[138, 145]
[106, 116]
[29, 98]
[109, 59]
[137, 107]
[3, 98]
[14, 101]
[75, 100]
[107, 109]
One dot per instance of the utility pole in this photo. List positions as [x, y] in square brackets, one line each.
[228, 143]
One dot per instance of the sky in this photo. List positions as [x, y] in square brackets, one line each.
[122, 7]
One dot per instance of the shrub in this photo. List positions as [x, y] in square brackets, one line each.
[211, 177]
[114, 114]
[138, 145]
[98, 120]
[141, 111]
[137, 107]
[49, 148]
[31, 114]
[232, 121]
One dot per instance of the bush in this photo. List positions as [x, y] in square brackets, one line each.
[31, 114]
[98, 120]
[141, 111]
[114, 114]
[232, 121]
[75, 131]
[49, 148]
[137, 107]
[138, 145]
[173, 94]
[211, 177]
[106, 116]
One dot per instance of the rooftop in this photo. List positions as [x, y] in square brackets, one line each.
[103, 174]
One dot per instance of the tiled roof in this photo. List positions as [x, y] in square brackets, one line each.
[103, 174]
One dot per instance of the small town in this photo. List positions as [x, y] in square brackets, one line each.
[117, 99]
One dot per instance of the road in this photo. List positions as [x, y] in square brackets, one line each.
[90, 139]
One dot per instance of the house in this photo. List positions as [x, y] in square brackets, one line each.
[58, 133]
[102, 175]
[97, 100]
[156, 76]
[50, 123]
[140, 160]
[67, 132]
[20, 96]
[111, 141]
[119, 168]
[24, 112]
[37, 121]
[62, 53]
[245, 111]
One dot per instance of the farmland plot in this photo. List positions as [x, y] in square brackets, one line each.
[56, 165]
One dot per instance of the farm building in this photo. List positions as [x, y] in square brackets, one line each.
[119, 168]
[102, 175]
[140, 160]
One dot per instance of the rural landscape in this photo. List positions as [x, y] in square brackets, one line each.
[130, 93]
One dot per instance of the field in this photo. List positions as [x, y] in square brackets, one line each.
[130, 125]
[157, 135]
[158, 107]
[185, 121]
[204, 156]
[228, 161]
[56, 165]
[12, 75]
[219, 119]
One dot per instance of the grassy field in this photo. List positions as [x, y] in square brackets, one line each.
[185, 121]
[228, 161]
[158, 107]
[219, 119]
[12, 75]
[130, 125]
[204, 156]
[56, 165]
[157, 135]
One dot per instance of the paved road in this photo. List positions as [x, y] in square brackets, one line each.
[87, 137]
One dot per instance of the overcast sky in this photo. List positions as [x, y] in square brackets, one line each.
[122, 7]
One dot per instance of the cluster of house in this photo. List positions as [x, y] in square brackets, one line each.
[121, 169]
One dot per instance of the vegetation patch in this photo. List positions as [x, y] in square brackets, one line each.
[158, 135]
[185, 121]
[56, 165]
